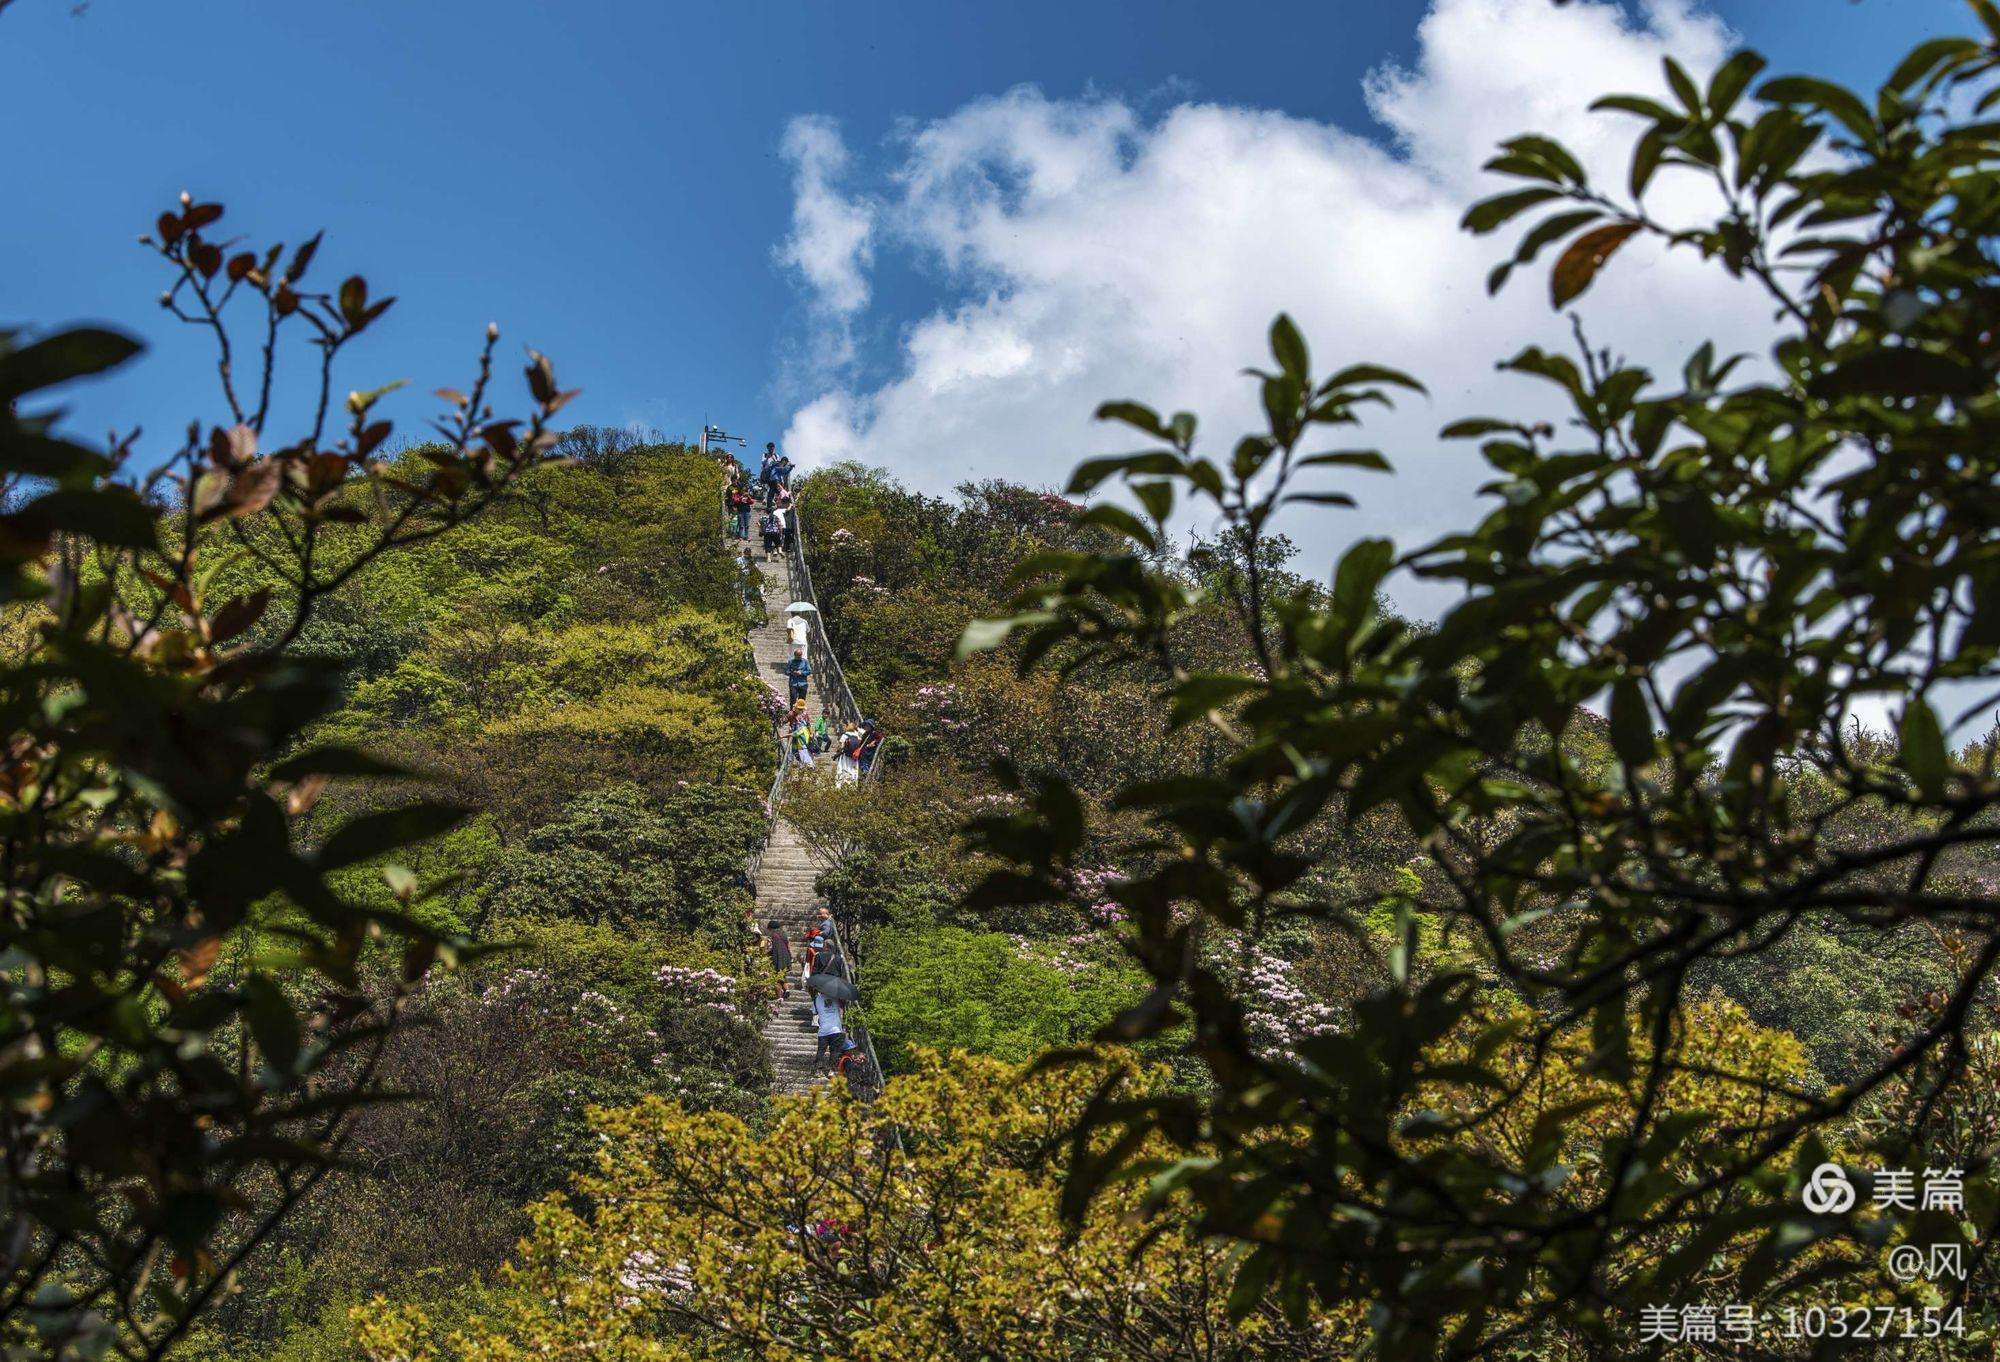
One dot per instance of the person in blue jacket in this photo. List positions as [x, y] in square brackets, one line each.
[799, 672]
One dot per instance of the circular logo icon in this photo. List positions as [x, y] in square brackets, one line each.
[1827, 1191]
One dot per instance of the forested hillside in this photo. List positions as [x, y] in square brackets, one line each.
[573, 665]
[1604, 969]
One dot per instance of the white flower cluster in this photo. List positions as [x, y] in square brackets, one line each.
[642, 1271]
[706, 988]
[1277, 1012]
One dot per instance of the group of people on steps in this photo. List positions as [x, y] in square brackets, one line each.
[817, 957]
[772, 488]
[836, 1054]
[854, 747]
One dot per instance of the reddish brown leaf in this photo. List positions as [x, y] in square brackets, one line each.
[251, 490]
[232, 448]
[201, 214]
[1586, 255]
[170, 228]
[238, 615]
[302, 796]
[205, 257]
[302, 258]
[326, 471]
[199, 959]
[241, 265]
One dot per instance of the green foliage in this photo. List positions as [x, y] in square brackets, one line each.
[165, 1113]
[1731, 565]
[989, 993]
[618, 857]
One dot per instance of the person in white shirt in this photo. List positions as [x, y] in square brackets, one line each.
[827, 1013]
[799, 630]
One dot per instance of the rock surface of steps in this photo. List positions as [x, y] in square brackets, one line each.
[785, 877]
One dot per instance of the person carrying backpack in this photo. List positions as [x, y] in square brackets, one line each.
[774, 533]
[871, 742]
[847, 752]
[853, 1066]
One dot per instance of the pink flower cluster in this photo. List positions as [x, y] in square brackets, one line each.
[1093, 886]
[941, 701]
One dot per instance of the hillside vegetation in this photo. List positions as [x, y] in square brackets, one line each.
[573, 665]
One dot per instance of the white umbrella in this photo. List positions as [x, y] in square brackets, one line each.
[801, 608]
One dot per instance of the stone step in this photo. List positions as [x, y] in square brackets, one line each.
[788, 871]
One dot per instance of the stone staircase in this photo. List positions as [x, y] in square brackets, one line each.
[785, 877]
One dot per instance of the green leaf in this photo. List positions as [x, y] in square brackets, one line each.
[1551, 152]
[334, 760]
[1120, 521]
[1646, 160]
[76, 353]
[1631, 724]
[1253, 1280]
[272, 1021]
[1548, 229]
[1640, 105]
[1903, 371]
[1474, 428]
[985, 635]
[1488, 214]
[1157, 497]
[1288, 347]
[1201, 693]
[1135, 414]
[1730, 80]
[109, 515]
[1092, 472]
[47, 456]
[1355, 374]
[1683, 87]
[1928, 56]
[1359, 575]
[1347, 458]
[1924, 755]
[372, 834]
[1844, 105]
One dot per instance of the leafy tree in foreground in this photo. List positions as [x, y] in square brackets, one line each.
[148, 782]
[1734, 565]
[699, 1238]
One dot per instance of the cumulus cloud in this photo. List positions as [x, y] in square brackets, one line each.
[1086, 252]
[830, 245]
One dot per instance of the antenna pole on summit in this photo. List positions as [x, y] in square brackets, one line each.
[717, 435]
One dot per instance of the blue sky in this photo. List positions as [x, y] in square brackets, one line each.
[604, 179]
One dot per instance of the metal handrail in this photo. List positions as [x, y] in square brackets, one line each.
[819, 644]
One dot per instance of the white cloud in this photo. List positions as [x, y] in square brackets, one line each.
[830, 243]
[1089, 253]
